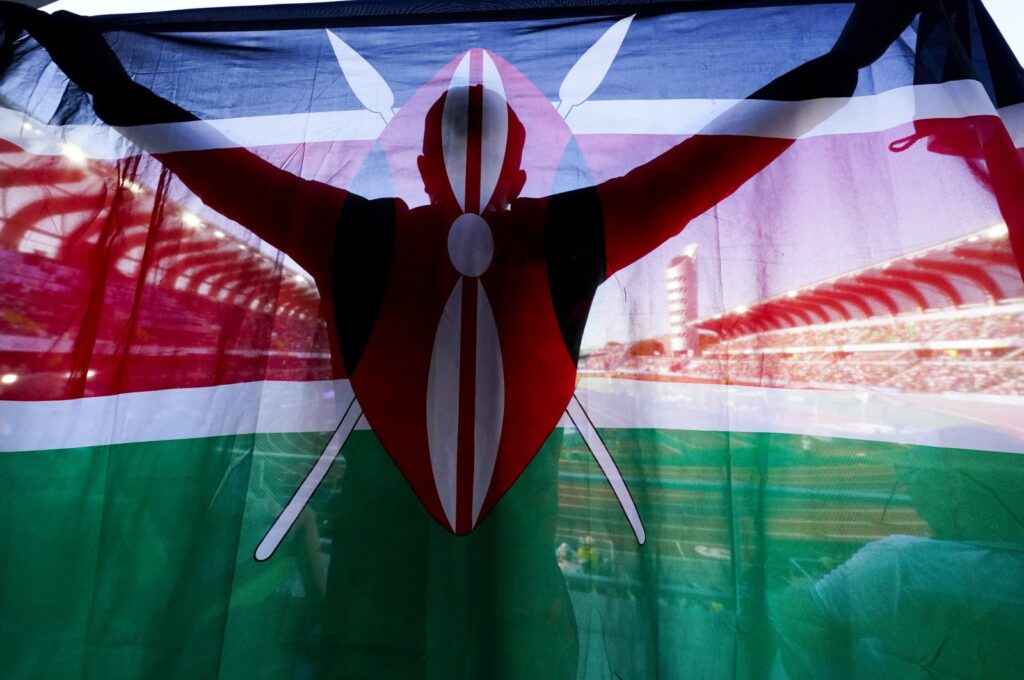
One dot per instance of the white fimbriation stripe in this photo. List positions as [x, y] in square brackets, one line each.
[443, 402]
[301, 128]
[494, 131]
[1013, 118]
[784, 120]
[454, 127]
[981, 422]
[489, 411]
[968, 421]
[103, 142]
[678, 117]
[185, 413]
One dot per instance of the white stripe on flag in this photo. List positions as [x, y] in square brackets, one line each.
[184, 413]
[678, 117]
[784, 120]
[978, 422]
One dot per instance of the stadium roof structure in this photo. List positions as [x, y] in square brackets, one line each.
[210, 256]
[975, 269]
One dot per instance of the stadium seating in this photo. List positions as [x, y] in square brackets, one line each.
[973, 351]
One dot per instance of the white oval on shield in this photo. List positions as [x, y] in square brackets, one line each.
[470, 244]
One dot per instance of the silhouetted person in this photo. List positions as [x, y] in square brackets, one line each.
[519, 274]
[512, 277]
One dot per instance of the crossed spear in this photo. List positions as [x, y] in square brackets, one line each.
[376, 96]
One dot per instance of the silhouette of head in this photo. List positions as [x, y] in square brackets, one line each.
[472, 151]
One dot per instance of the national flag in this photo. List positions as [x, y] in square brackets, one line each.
[391, 340]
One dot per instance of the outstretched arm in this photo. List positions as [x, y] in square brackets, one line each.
[656, 200]
[295, 215]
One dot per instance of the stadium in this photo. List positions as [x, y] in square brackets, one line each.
[210, 301]
[948, 318]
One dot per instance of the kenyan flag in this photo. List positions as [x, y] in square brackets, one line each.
[372, 341]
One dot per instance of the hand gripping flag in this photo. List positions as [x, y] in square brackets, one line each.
[518, 338]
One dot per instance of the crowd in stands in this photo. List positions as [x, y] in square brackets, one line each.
[883, 331]
[848, 355]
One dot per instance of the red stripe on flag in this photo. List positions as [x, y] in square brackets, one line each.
[61, 271]
[474, 133]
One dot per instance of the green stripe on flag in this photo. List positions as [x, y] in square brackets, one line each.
[767, 554]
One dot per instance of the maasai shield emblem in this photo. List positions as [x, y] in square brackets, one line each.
[466, 374]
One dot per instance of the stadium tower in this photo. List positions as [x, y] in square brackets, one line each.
[681, 284]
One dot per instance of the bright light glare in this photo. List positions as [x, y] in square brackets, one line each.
[191, 220]
[791, 294]
[299, 278]
[218, 234]
[996, 232]
[9, 378]
[73, 153]
[742, 309]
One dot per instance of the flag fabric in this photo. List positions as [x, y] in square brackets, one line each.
[548, 340]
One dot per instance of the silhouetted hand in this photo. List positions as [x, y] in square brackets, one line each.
[79, 50]
[873, 26]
